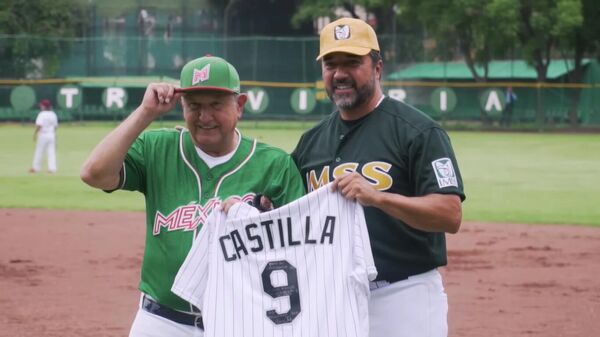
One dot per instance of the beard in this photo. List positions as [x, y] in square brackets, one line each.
[354, 99]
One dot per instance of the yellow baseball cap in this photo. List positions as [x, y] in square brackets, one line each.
[348, 35]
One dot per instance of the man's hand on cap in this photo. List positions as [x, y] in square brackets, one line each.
[159, 99]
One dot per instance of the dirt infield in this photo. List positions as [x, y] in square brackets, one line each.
[76, 273]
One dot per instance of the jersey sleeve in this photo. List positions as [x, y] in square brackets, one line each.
[362, 243]
[192, 278]
[134, 166]
[286, 184]
[433, 164]
[54, 120]
[38, 119]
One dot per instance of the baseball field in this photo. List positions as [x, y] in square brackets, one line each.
[525, 262]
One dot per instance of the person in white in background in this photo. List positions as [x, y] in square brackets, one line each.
[45, 137]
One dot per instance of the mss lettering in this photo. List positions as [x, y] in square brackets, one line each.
[274, 234]
[376, 172]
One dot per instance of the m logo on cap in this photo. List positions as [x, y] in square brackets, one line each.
[342, 32]
[201, 75]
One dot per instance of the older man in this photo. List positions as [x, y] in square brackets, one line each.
[184, 174]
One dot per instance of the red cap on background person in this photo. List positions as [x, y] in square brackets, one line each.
[45, 104]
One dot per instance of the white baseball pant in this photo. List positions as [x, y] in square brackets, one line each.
[415, 307]
[45, 144]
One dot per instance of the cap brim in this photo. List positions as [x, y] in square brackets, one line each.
[345, 49]
[188, 89]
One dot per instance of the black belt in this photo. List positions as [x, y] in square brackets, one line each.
[155, 308]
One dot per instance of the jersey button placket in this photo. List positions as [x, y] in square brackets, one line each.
[339, 147]
[207, 195]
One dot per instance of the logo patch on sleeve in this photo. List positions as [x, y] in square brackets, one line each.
[444, 172]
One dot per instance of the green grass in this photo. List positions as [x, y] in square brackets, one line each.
[509, 177]
[530, 178]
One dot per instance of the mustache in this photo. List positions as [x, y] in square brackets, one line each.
[343, 81]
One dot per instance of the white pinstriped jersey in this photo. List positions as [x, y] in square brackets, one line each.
[301, 270]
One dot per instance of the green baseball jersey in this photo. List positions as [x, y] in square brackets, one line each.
[398, 149]
[181, 190]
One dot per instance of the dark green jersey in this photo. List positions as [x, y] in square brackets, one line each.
[181, 191]
[399, 150]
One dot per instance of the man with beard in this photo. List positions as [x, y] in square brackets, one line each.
[399, 164]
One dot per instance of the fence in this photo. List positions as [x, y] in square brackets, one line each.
[282, 78]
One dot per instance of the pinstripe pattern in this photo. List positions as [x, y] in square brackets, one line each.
[325, 262]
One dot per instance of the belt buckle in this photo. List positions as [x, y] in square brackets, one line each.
[198, 322]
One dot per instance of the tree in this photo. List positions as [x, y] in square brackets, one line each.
[487, 29]
[247, 17]
[478, 30]
[483, 30]
[542, 24]
[583, 40]
[311, 9]
[114, 8]
[35, 35]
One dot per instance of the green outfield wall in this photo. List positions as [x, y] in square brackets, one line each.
[103, 78]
